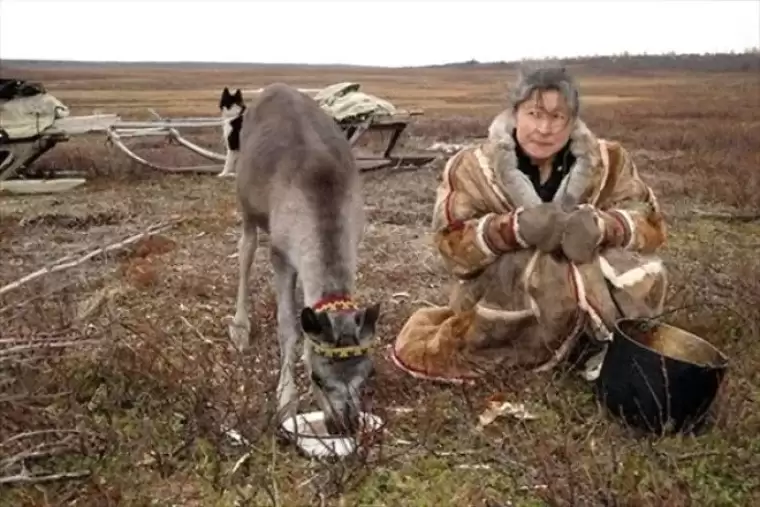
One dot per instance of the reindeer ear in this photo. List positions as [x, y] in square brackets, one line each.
[238, 94]
[367, 319]
[225, 92]
[310, 322]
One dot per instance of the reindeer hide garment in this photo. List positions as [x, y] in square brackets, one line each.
[520, 307]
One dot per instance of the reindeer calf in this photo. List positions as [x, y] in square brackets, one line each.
[297, 180]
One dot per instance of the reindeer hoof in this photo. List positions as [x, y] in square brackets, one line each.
[226, 175]
[240, 334]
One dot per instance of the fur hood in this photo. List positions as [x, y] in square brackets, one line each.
[587, 173]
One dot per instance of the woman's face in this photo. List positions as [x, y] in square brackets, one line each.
[543, 124]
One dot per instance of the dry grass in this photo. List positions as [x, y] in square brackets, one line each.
[148, 405]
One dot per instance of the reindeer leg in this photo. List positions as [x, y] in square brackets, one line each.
[288, 331]
[306, 354]
[306, 358]
[240, 328]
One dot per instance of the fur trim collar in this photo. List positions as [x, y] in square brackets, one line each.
[582, 183]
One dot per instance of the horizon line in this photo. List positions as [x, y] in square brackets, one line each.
[569, 59]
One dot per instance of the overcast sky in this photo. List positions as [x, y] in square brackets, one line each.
[352, 32]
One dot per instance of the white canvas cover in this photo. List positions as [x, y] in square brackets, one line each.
[26, 109]
[344, 101]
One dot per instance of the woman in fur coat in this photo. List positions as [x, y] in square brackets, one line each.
[540, 226]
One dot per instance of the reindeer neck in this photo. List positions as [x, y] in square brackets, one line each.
[324, 291]
[328, 268]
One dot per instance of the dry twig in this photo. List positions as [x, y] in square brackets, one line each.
[37, 479]
[36, 433]
[67, 262]
[4, 353]
[722, 216]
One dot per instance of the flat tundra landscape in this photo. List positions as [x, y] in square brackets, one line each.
[143, 400]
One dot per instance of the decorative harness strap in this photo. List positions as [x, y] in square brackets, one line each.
[337, 303]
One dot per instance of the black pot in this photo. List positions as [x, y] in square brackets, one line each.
[659, 378]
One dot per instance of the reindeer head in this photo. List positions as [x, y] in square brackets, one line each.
[341, 336]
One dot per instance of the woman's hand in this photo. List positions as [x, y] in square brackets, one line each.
[541, 226]
[588, 229]
[583, 234]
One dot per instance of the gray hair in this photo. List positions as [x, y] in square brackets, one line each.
[545, 78]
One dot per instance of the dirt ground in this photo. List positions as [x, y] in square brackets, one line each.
[143, 402]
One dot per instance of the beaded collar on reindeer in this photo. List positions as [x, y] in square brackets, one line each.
[337, 303]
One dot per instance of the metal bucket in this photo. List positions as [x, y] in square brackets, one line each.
[659, 378]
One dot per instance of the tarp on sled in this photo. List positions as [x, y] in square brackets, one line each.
[27, 109]
[344, 101]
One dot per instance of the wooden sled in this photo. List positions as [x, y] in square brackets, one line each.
[17, 155]
[119, 132]
[396, 124]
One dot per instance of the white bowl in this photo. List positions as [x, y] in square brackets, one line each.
[311, 437]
